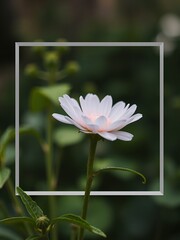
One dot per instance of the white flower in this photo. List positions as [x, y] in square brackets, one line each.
[93, 116]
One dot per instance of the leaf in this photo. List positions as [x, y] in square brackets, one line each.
[34, 237]
[27, 130]
[121, 169]
[33, 209]
[71, 218]
[14, 220]
[6, 233]
[67, 136]
[5, 139]
[41, 96]
[4, 175]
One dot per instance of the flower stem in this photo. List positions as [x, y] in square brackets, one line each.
[93, 144]
[51, 181]
[49, 169]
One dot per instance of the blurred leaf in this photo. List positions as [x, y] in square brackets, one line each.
[80, 222]
[5, 139]
[33, 209]
[34, 237]
[120, 169]
[171, 196]
[73, 204]
[41, 96]
[6, 233]
[14, 220]
[28, 130]
[4, 175]
[9, 154]
[66, 136]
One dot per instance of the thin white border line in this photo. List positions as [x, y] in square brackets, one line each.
[161, 53]
[17, 114]
[95, 193]
[94, 44]
[91, 44]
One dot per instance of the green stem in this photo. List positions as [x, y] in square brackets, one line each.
[49, 169]
[51, 181]
[17, 205]
[93, 144]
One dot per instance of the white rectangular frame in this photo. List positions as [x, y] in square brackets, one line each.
[161, 101]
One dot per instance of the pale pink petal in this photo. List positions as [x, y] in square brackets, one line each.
[89, 125]
[69, 111]
[125, 136]
[75, 123]
[108, 135]
[116, 110]
[130, 111]
[71, 103]
[101, 122]
[83, 105]
[118, 113]
[116, 125]
[134, 118]
[61, 118]
[93, 128]
[105, 106]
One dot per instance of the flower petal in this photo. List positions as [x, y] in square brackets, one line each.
[116, 108]
[130, 111]
[61, 118]
[117, 111]
[105, 106]
[117, 125]
[125, 136]
[134, 118]
[75, 123]
[108, 135]
[71, 107]
[101, 122]
[93, 128]
[90, 104]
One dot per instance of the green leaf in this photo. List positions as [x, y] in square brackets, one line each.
[121, 169]
[14, 220]
[42, 96]
[5, 139]
[66, 136]
[33, 209]
[71, 218]
[34, 237]
[27, 130]
[4, 175]
[8, 234]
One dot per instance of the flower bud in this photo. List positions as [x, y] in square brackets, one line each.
[42, 223]
[51, 59]
[72, 67]
[31, 70]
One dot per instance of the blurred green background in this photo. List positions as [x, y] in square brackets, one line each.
[129, 74]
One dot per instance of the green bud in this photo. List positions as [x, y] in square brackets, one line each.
[42, 223]
[31, 70]
[72, 67]
[51, 59]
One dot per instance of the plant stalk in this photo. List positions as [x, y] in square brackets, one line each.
[49, 169]
[93, 144]
[51, 181]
